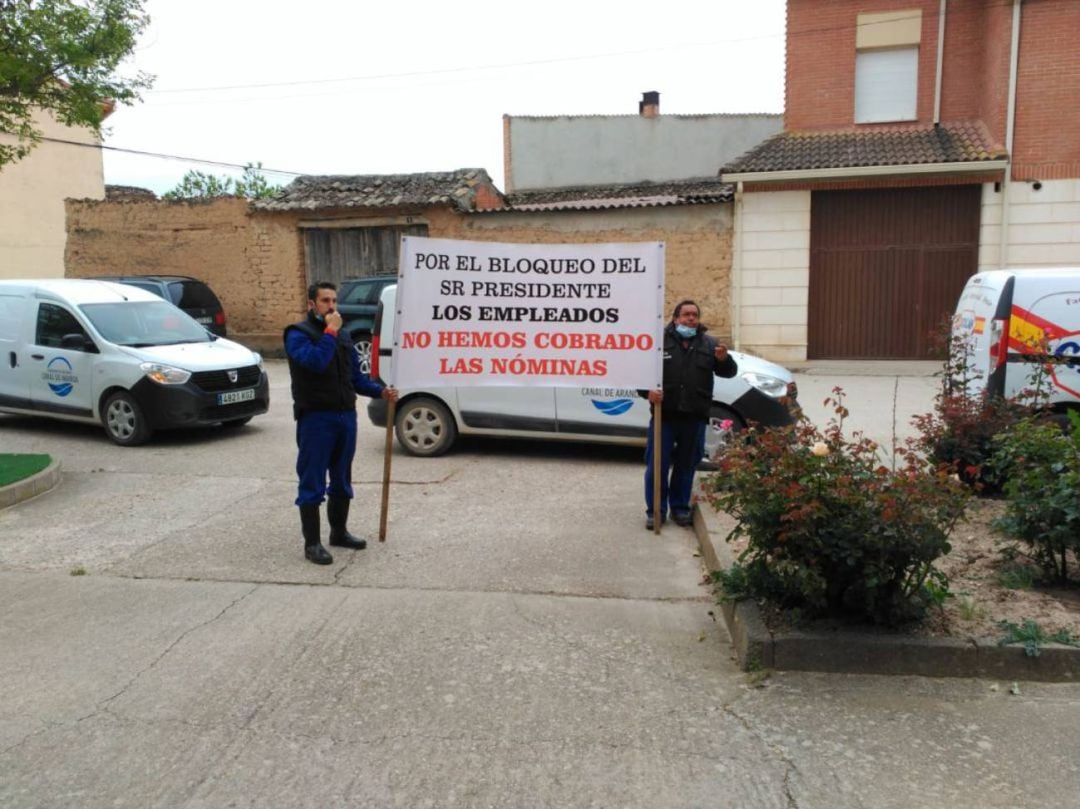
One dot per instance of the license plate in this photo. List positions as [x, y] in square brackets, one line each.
[234, 396]
[206, 321]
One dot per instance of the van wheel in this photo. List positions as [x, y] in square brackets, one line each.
[718, 433]
[425, 427]
[124, 421]
[362, 344]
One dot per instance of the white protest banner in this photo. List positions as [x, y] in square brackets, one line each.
[556, 315]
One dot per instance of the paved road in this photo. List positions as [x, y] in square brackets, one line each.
[519, 641]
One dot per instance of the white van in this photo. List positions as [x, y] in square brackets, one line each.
[1013, 321]
[106, 353]
[428, 422]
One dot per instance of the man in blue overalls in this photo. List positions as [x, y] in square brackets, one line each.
[326, 377]
[691, 357]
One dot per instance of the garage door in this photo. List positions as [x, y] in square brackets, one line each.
[886, 266]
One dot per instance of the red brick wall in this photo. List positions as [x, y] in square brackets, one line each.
[1046, 142]
[820, 84]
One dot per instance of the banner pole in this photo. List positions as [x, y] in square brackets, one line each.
[390, 417]
[658, 450]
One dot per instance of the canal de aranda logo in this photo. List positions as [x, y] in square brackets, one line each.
[59, 376]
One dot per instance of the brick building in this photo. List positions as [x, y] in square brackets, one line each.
[923, 140]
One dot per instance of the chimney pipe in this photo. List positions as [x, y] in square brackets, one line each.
[649, 106]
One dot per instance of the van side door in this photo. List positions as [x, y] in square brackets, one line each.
[14, 356]
[61, 362]
[606, 412]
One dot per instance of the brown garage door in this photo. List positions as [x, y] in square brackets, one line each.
[886, 266]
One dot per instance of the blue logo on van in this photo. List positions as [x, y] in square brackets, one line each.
[616, 407]
[58, 374]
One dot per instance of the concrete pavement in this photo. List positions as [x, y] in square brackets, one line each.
[520, 640]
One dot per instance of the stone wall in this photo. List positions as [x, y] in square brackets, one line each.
[253, 263]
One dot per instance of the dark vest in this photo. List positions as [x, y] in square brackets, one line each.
[688, 375]
[331, 389]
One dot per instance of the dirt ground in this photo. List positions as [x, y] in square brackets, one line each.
[975, 568]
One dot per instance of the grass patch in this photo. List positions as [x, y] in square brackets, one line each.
[16, 467]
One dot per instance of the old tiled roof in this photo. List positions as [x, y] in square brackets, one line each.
[116, 192]
[794, 151]
[456, 188]
[637, 195]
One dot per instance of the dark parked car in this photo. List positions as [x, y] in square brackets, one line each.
[189, 294]
[358, 301]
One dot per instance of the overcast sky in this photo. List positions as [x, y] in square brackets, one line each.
[336, 87]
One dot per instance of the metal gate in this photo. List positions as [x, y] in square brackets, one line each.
[886, 267]
[334, 254]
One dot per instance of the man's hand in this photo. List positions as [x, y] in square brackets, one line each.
[721, 352]
[390, 394]
[333, 321]
[656, 396]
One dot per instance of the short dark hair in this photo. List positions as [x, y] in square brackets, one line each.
[681, 304]
[313, 290]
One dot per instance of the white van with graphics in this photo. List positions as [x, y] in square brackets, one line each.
[428, 421]
[106, 353]
[1014, 321]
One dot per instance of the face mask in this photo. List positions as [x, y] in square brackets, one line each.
[318, 317]
[685, 331]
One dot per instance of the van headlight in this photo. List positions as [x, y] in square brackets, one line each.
[258, 359]
[769, 385]
[165, 374]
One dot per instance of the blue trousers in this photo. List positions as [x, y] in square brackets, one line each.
[682, 446]
[327, 442]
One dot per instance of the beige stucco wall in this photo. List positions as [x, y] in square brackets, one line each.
[32, 194]
[1043, 226]
[772, 260]
[697, 241]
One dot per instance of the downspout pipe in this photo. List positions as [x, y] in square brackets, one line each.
[1010, 125]
[940, 61]
[736, 268]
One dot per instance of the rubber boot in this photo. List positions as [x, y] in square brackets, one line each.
[309, 524]
[337, 513]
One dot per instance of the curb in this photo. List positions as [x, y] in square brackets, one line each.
[32, 486]
[862, 652]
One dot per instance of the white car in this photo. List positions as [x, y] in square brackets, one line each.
[104, 353]
[428, 422]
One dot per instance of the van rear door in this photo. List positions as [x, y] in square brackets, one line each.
[981, 329]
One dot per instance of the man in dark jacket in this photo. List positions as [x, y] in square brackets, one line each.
[326, 377]
[691, 357]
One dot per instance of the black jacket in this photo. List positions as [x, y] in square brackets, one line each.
[329, 389]
[689, 366]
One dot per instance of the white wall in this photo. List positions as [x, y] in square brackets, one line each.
[772, 271]
[32, 193]
[1043, 226]
[571, 151]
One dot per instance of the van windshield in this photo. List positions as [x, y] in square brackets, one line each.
[144, 323]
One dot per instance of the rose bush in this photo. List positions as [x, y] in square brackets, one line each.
[832, 530]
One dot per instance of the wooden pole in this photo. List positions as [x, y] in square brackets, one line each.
[390, 418]
[658, 450]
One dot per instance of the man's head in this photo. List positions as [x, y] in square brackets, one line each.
[686, 313]
[322, 299]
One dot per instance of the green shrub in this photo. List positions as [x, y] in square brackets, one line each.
[830, 529]
[1042, 465]
[963, 428]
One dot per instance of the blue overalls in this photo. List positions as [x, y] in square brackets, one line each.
[326, 438]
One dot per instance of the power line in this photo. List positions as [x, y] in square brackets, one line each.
[199, 160]
[931, 15]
